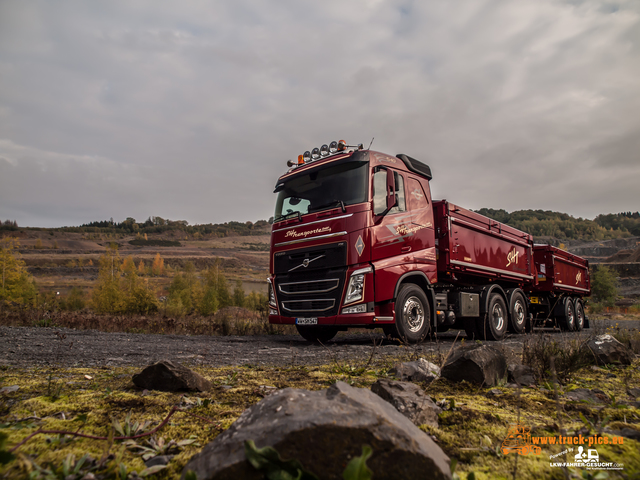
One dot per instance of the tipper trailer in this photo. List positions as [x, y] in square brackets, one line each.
[357, 241]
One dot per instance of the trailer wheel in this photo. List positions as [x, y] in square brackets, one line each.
[578, 308]
[568, 319]
[413, 314]
[317, 334]
[518, 313]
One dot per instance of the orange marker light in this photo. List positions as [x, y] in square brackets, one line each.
[300, 160]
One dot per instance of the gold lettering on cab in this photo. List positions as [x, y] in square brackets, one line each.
[294, 234]
[512, 256]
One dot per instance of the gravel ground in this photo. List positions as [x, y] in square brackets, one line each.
[32, 347]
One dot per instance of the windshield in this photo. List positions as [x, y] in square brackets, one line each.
[334, 186]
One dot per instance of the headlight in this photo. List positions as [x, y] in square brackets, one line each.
[355, 290]
[272, 295]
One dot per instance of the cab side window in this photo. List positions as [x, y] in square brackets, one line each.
[380, 193]
[401, 206]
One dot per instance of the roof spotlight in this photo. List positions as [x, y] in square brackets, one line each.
[342, 145]
[333, 147]
[291, 163]
[324, 150]
[306, 156]
[315, 153]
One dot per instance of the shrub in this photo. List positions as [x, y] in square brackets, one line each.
[16, 285]
[604, 286]
[568, 357]
[74, 301]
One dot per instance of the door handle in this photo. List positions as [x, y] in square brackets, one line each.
[405, 249]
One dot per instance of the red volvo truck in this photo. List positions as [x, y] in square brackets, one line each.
[357, 241]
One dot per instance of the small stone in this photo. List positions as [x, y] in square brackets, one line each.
[418, 371]
[606, 350]
[158, 460]
[476, 363]
[495, 391]
[585, 395]
[170, 377]
[409, 399]
[12, 388]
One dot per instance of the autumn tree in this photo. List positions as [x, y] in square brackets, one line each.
[107, 296]
[16, 284]
[157, 267]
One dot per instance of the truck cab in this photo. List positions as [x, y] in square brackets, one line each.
[352, 229]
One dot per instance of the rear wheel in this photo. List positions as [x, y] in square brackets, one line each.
[494, 324]
[578, 308]
[317, 334]
[413, 314]
[568, 319]
[517, 313]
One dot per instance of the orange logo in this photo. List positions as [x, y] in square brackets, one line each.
[519, 441]
[512, 256]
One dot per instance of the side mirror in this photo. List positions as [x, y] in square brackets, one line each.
[392, 200]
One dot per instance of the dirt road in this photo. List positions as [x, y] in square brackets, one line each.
[32, 347]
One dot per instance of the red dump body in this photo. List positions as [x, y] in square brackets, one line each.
[477, 249]
[560, 271]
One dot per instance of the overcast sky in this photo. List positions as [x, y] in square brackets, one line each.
[189, 110]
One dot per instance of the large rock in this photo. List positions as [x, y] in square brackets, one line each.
[170, 377]
[418, 371]
[604, 349]
[323, 430]
[476, 363]
[410, 400]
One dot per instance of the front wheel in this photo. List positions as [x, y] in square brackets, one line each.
[317, 334]
[413, 314]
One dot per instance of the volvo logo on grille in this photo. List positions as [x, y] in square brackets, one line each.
[305, 263]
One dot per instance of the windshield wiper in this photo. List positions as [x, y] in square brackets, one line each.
[286, 215]
[331, 204]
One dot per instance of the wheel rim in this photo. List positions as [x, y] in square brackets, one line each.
[497, 317]
[413, 314]
[518, 313]
[579, 315]
[570, 316]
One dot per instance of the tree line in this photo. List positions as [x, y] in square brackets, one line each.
[545, 223]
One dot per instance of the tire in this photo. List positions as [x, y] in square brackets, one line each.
[494, 324]
[578, 308]
[567, 320]
[518, 313]
[413, 314]
[316, 334]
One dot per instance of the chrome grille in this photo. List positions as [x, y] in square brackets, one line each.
[311, 286]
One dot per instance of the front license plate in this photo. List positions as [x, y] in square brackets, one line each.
[307, 321]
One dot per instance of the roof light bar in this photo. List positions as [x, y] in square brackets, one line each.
[322, 152]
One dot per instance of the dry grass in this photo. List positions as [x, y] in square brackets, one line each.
[228, 321]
